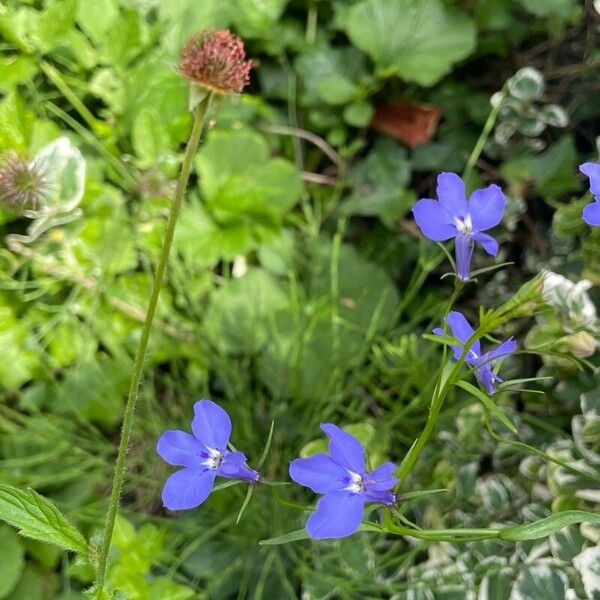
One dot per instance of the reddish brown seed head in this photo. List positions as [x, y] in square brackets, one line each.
[216, 60]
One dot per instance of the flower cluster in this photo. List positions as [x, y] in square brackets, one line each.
[216, 60]
[342, 476]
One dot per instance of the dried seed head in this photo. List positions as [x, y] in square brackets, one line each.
[216, 60]
[23, 185]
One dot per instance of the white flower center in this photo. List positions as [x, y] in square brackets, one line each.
[214, 460]
[472, 355]
[356, 483]
[464, 226]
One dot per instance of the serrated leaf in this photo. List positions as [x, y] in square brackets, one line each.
[38, 518]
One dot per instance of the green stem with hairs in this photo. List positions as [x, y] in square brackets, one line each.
[119, 475]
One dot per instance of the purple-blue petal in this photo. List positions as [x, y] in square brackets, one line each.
[591, 214]
[382, 478]
[344, 448]
[486, 207]
[464, 252]
[234, 466]
[211, 425]
[451, 194]
[592, 170]
[337, 515]
[380, 496]
[180, 448]
[490, 245]
[503, 349]
[486, 377]
[456, 349]
[320, 473]
[433, 220]
[188, 488]
[462, 330]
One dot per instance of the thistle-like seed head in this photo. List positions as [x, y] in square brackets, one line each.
[216, 60]
[23, 184]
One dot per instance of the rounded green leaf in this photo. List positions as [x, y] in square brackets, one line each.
[419, 40]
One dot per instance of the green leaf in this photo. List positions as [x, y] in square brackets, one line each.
[38, 518]
[487, 402]
[544, 527]
[540, 581]
[419, 40]
[330, 75]
[243, 314]
[552, 171]
[96, 18]
[563, 10]
[293, 536]
[15, 69]
[359, 113]
[496, 586]
[588, 565]
[257, 18]
[149, 137]
[15, 123]
[11, 565]
[54, 23]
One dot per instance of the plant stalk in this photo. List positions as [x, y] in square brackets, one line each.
[119, 475]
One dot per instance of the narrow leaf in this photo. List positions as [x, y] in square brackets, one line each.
[544, 527]
[487, 402]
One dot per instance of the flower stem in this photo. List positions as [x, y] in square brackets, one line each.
[439, 394]
[119, 475]
[483, 137]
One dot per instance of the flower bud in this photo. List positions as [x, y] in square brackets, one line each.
[581, 344]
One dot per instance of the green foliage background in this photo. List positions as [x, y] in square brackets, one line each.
[298, 290]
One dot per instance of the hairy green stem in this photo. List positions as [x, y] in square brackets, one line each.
[119, 475]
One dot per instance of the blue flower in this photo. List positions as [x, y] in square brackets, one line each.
[482, 363]
[344, 480]
[453, 216]
[591, 212]
[203, 455]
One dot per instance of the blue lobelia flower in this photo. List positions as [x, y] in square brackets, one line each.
[453, 216]
[482, 363]
[203, 455]
[591, 212]
[344, 480]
